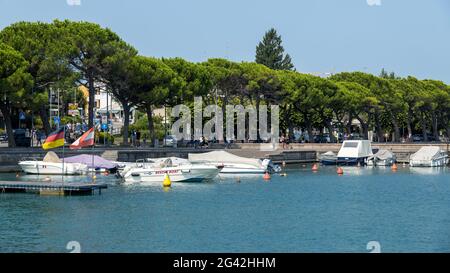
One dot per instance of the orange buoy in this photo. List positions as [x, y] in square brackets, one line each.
[314, 167]
[266, 176]
[340, 171]
[394, 167]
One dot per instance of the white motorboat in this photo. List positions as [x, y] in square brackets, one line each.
[231, 163]
[382, 158]
[429, 156]
[51, 164]
[156, 169]
[354, 152]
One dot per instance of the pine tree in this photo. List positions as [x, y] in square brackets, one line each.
[270, 52]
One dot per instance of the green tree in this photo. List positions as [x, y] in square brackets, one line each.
[85, 46]
[14, 81]
[270, 52]
[35, 41]
[262, 85]
[153, 82]
[120, 77]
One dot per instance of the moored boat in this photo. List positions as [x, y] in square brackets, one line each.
[231, 163]
[328, 158]
[382, 158]
[429, 156]
[155, 170]
[93, 162]
[51, 164]
[354, 152]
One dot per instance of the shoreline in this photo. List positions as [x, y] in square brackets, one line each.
[297, 152]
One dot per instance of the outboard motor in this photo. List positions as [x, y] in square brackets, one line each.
[273, 168]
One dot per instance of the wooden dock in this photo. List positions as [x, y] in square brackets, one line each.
[52, 188]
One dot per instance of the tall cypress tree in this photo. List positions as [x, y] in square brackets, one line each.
[270, 52]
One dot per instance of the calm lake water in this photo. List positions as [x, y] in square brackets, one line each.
[405, 211]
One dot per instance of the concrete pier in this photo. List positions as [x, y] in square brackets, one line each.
[51, 188]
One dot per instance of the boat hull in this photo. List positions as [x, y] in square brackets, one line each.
[351, 161]
[438, 162]
[239, 170]
[176, 174]
[49, 168]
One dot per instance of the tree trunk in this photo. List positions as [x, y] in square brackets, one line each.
[396, 129]
[434, 123]
[380, 135]
[308, 128]
[44, 117]
[348, 126]
[4, 107]
[424, 127]
[126, 123]
[408, 125]
[151, 126]
[364, 127]
[91, 89]
[330, 131]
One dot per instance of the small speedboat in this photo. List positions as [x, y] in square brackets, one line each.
[51, 164]
[354, 152]
[429, 156]
[155, 171]
[382, 158]
[234, 164]
[328, 158]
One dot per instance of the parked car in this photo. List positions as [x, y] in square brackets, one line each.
[3, 137]
[420, 138]
[325, 138]
[22, 138]
[170, 140]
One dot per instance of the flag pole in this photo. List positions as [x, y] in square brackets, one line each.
[93, 167]
[64, 144]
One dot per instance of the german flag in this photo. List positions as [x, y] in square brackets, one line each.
[55, 139]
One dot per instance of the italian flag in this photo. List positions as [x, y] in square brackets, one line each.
[87, 139]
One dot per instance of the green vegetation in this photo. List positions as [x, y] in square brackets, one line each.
[35, 57]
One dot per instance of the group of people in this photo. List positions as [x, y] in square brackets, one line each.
[136, 138]
[284, 141]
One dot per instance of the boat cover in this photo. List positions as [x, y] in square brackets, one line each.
[426, 153]
[382, 155]
[355, 149]
[51, 157]
[99, 162]
[221, 157]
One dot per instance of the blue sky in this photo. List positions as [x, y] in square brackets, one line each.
[410, 37]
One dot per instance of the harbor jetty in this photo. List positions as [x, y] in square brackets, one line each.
[51, 188]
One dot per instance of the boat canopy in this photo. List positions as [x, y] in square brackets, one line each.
[355, 149]
[99, 162]
[168, 161]
[51, 157]
[222, 157]
[426, 153]
[329, 153]
[382, 155]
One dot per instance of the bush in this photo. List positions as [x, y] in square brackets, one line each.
[99, 137]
